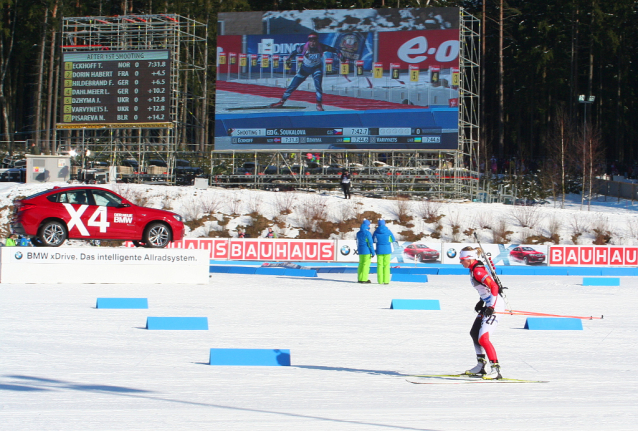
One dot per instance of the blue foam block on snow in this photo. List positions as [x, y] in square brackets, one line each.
[300, 272]
[553, 323]
[453, 271]
[619, 271]
[550, 271]
[583, 271]
[122, 303]
[415, 304]
[410, 278]
[242, 270]
[218, 269]
[270, 271]
[177, 323]
[250, 357]
[517, 270]
[603, 281]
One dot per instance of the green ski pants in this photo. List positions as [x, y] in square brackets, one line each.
[364, 267]
[383, 268]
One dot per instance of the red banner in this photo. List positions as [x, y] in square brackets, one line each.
[260, 249]
[228, 44]
[281, 249]
[593, 255]
[422, 48]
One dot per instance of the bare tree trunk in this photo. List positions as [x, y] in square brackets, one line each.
[54, 111]
[4, 67]
[574, 63]
[37, 132]
[182, 135]
[591, 173]
[49, 113]
[501, 95]
[483, 135]
[204, 136]
[562, 161]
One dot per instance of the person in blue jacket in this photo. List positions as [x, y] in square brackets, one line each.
[383, 239]
[365, 249]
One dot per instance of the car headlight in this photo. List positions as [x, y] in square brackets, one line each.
[177, 217]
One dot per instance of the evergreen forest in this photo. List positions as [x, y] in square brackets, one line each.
[537, 58]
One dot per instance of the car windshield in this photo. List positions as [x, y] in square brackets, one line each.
[528, 249]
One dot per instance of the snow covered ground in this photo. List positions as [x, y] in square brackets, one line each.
[65, 365]
[68, 366]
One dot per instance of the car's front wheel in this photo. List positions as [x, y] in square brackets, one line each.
[157, 235]
[526, 260]
[52, 234]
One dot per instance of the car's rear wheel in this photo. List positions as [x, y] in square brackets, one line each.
[157, 235]
[52, 234]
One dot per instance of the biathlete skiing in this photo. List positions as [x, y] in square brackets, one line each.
[312, 52]
[486, 321]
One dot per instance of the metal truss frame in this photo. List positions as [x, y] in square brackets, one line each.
[186, 39]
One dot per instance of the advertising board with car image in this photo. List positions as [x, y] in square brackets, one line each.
[501, 254]
[402, 252]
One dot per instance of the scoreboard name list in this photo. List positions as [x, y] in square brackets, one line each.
[116, 87]
[378, 135]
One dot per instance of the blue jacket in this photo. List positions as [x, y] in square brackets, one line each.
[364, 239]
[383, 238]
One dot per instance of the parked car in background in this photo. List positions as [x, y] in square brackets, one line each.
[51, 217]
[13, 175]
[420, 252]
[527, 255]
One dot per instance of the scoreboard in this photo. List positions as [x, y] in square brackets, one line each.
[345, 135]
[116, 89]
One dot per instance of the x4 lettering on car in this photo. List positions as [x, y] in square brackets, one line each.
[98, 219]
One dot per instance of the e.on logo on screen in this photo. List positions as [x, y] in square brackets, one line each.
[596, 255]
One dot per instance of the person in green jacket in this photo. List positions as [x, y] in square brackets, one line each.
[383, 239]
[11, 241]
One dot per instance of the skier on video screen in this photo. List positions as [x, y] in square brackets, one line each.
[312, 52]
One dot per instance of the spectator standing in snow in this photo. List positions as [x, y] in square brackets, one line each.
[365, 249]
[270, 233]
[345, 184]
[383, 239]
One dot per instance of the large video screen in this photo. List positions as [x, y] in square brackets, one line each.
[115, 89]
[338, 79]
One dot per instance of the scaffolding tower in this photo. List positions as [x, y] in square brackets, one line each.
[186, 40]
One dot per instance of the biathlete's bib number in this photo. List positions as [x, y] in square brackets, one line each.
[98, 219]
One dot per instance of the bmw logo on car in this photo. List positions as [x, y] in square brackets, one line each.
[19, 255]
[451, 253]
[345, 250]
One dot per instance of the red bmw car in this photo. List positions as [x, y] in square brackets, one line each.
[527, 255]
[81, 212]
[420, 252]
